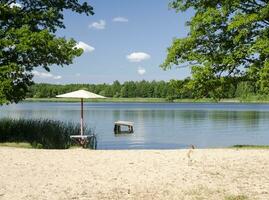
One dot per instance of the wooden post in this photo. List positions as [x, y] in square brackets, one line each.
[81, 117]
[117, 128]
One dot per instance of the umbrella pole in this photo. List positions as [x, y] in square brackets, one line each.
[81, 117]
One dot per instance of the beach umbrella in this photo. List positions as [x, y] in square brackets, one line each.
[81, 94]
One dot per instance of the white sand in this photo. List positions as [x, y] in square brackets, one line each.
[142, 174]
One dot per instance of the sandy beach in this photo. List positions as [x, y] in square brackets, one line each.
[134, 174]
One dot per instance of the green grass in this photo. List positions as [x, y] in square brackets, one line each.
[111, 100]
[16, 144]
[153, 100]
[256, 99]
[251, 146]
[204, 100]
[131, 100]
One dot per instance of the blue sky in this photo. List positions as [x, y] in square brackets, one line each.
[124, 40]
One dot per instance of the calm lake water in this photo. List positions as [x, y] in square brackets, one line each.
[160, 125]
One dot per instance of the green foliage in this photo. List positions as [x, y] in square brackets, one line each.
[28, 40]
[130, 89]
[226, 39]
[245, 90]
[264, 79]
[203, 78]
[216, 89]
[48, 134]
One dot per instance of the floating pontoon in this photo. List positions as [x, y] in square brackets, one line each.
[119, 124]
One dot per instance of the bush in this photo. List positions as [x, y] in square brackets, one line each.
[40, 133]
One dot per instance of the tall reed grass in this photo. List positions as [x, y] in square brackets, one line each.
[40, 133]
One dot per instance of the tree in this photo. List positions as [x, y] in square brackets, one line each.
[28, 40]
[180, 88]
[227, 38]
[116, 87]
[244, 90]
[128, 89]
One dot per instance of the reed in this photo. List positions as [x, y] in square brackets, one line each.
[40, 133]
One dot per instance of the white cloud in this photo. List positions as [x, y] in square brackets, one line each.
[12, 5]
[57, 77]
[98, 25]
[141, 70]
[85, 47]
[78, 74]
[120, 19]
[138, 56]
[46, 75]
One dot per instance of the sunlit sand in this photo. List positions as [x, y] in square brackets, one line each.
[134, 174]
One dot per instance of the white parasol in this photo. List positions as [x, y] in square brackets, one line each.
[81, 94]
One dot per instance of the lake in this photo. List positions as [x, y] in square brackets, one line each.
[160, 125]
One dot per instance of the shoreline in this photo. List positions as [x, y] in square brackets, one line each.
[130, 174]
[26, 145]
[146, 100]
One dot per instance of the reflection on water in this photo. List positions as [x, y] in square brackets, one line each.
[160, 125]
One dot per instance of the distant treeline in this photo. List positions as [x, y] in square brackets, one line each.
[173, 89]
[129, 89]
